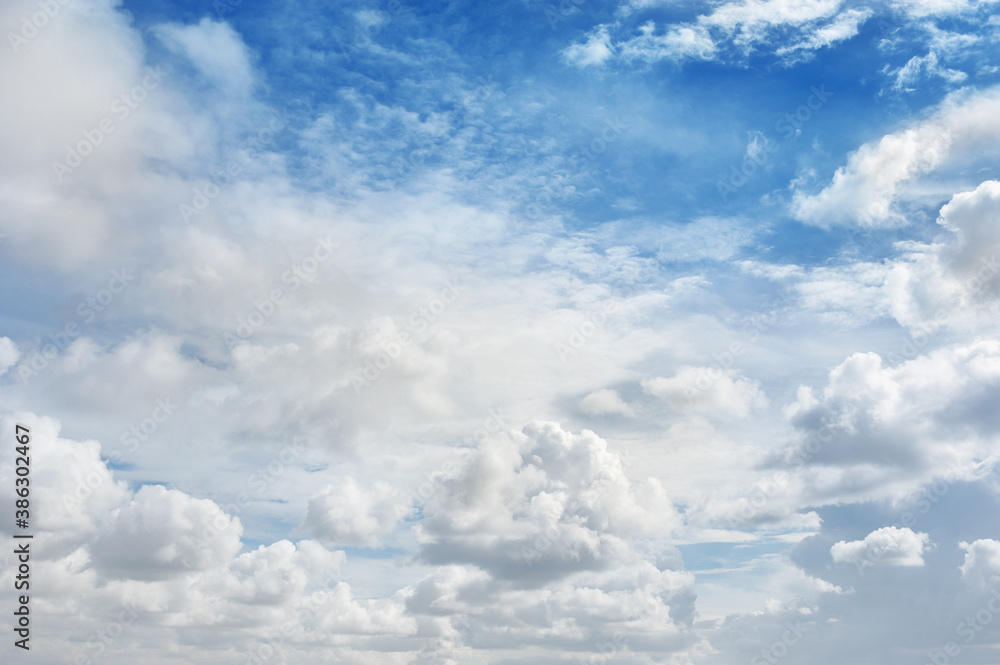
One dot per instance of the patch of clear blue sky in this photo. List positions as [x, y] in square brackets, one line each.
[689, 124]
[726, 558]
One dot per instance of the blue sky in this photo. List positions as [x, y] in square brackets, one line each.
[522, 332]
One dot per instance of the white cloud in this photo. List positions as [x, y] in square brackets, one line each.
[955, 281]
[73, 489]
[917, 67]
[950, 283]
[172, 559]
[981, 566]
[88, 53]
[756, 147]
[605, 402]
[533, 546]
[888, 546]
[793, 30]
[161, 533]
[922, 417]
[705, 238]
[971, 216]
[708, 391]
[675, 43]
[843, 27]
[745, 27]
[750, 18]
[9, 354]
[943, 8]
[851, 295]
[347, 514]
[866, 190]
[272, 574]
[595, 51]
[538, 505]
[215, 49]
[635, 607]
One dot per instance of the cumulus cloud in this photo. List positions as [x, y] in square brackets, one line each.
[541, 544]
[9, 354]
[950, 283]
[955, 281]
[637, 607]
[888, 546]
[564, 497]
[75, 492]
[173, 560]
[605, 402]
[347, 514]
[922, 415]
[981, 566]
[272, 574]
[866, 190]
[94, 56]
[540, 504]
[162, 533]
[708, 391]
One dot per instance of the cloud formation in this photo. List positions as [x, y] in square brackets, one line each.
[423, 335]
